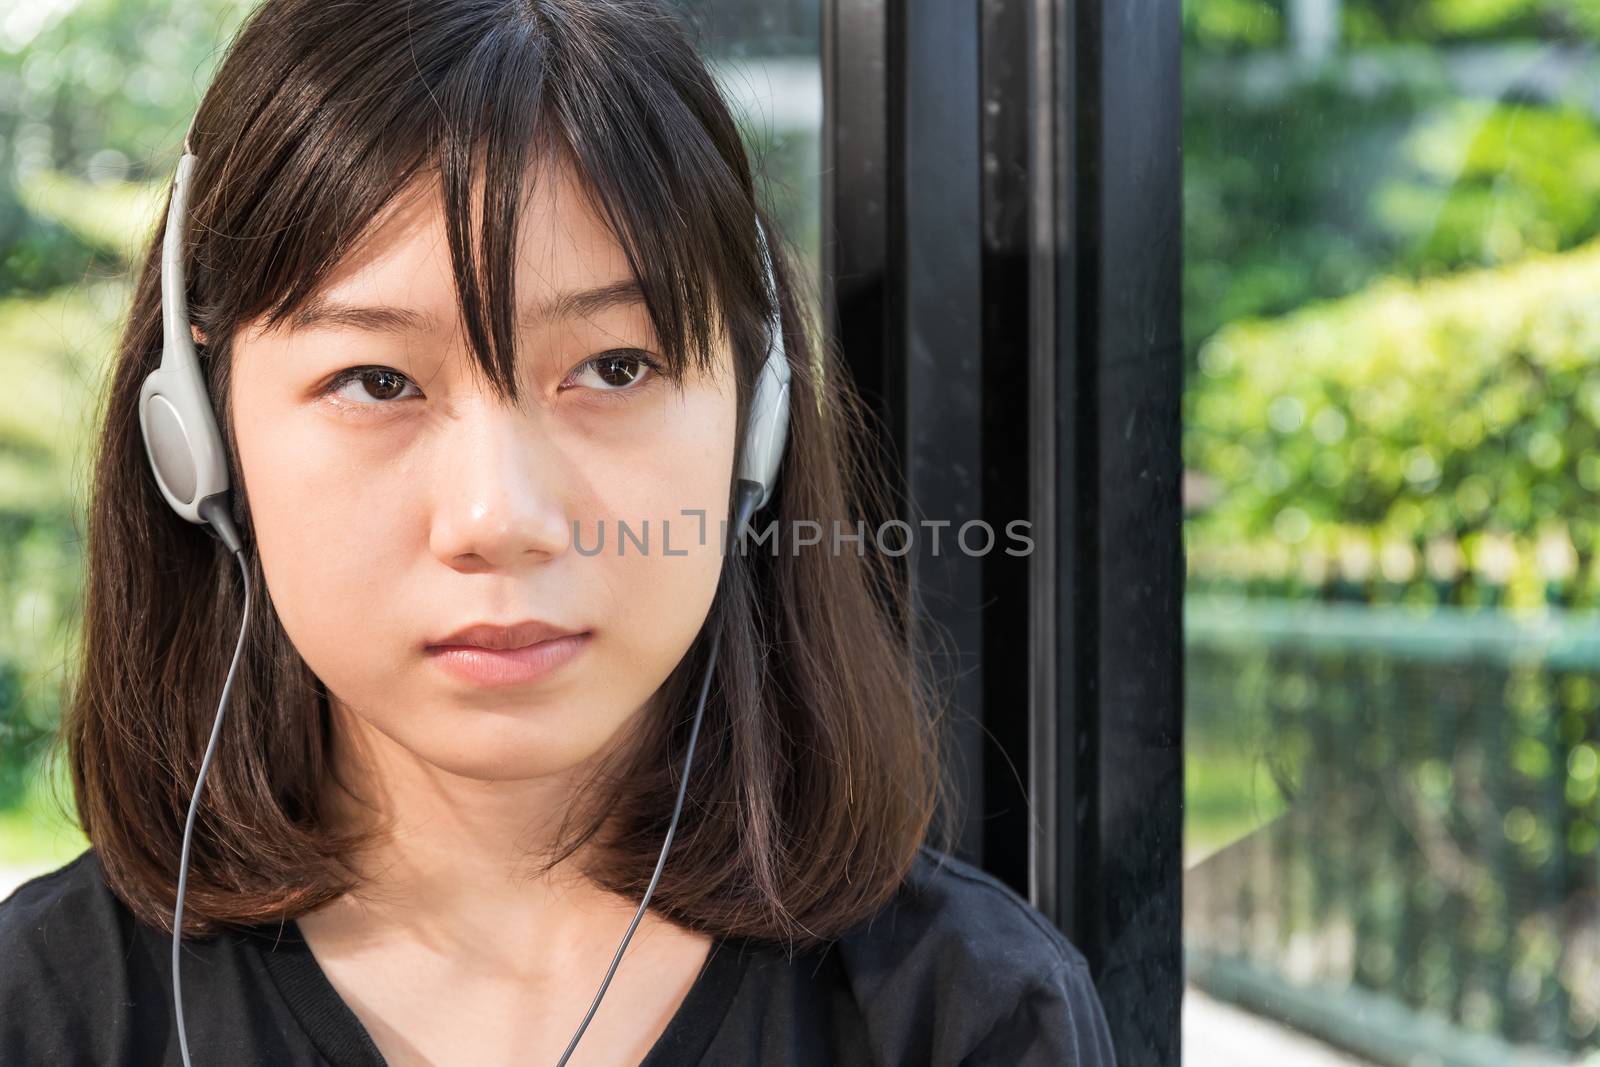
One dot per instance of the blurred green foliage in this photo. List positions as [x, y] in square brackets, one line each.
[1316, 188]
[1489, 182]
[1243, 25]
[92, 98]
[1444, 429]
[1392, 445]
[98, 90]
[1277, 191]
[1366, 402]
[53, 350]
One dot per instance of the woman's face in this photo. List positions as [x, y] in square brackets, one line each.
[393, 508]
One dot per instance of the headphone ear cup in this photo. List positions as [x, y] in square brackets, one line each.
[181, 436]
[768, 429]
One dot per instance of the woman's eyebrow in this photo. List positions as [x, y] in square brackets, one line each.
[319, 312]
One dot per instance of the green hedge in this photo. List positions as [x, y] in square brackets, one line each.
[1435, 440]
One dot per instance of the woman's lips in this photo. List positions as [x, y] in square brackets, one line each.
[508, 666]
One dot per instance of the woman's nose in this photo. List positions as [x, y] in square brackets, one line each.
[501, 491]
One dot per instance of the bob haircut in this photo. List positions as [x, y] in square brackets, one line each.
[818, 771]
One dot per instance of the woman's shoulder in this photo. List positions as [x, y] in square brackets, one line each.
[52, 910]
[60, 925]
[67, 946]
[960, 900]
[1002, 983]
[953, 913]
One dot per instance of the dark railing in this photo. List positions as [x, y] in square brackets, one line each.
[1426, 793]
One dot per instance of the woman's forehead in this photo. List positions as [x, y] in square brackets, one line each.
[430, 262]
[563, 248]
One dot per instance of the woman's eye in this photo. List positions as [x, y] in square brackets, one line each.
[372, 386]
[616, 372]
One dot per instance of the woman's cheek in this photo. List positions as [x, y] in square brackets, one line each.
[661, 599]
[311, 521]
[662, 573]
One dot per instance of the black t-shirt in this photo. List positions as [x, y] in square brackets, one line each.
[957, 969]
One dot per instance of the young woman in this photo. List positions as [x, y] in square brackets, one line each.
[479, 293]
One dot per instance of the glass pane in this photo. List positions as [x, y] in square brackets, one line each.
[1392, 318]
[767, 57]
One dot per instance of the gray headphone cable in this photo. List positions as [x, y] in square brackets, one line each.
[749, 494]
[216, 513]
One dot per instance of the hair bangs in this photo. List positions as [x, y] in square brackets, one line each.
[632, 130]
[495, 111]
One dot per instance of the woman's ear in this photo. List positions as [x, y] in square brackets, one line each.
[194, 331]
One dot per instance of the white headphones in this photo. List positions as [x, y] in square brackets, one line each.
[186, 454]
[185, 445]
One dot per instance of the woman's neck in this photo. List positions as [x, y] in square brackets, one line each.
[452, 864]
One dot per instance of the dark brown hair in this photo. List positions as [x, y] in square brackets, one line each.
[817, 772]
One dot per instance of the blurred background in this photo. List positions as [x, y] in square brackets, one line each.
[1392, 694]
[1391, 293]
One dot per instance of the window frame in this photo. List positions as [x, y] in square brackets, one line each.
[1001, 229]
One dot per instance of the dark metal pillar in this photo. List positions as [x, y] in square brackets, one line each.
[1120, 572]
[1002, 224]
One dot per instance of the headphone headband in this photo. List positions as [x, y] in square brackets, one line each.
[184, 442]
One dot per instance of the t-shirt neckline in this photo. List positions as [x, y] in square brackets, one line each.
[342, 1039]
